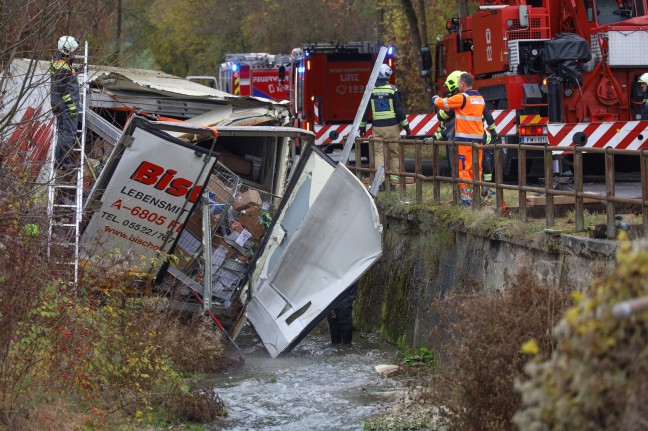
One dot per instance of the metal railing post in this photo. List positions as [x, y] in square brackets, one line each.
[549, 174]
[476, 177]
[522, 204]
[417, 171]
[579, 206]
[609, 191]
[436, 167]
[643, 159]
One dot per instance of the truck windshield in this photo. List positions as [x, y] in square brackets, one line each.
[611, 11]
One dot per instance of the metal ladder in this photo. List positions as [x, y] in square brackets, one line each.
[65, 216]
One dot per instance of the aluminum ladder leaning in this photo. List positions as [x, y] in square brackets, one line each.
[65, 192]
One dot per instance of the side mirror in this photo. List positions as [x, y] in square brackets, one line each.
[282, 73]
[523, 11]
[426, 60]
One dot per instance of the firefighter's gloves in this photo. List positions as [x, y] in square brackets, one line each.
[72, 109]
[363, 131]
[408, 131]
[434, 99]
[493, 132]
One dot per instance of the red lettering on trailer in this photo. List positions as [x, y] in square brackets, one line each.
[149, 173]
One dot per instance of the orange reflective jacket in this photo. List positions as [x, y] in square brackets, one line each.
[469, 109]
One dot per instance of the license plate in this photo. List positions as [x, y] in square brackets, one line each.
[533, 140]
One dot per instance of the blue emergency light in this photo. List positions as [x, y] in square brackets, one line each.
[234, 67]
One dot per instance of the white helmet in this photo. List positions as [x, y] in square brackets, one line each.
[67, 45]
[384, 72]
[644, 78]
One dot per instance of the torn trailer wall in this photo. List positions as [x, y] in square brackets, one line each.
[27, 128]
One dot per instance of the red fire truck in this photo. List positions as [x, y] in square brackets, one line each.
[562, 73]
[327, 84]
[256, 74]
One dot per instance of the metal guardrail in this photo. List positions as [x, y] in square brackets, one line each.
[609, 199]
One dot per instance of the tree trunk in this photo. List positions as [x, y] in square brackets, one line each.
[415, 33]
[423, 20]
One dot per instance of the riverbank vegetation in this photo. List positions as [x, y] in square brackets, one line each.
[98, 355]
[534, 358]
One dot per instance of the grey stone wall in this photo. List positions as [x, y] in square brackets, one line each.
[425, 257]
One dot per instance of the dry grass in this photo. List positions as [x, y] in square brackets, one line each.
[479, 342]
[94, 356]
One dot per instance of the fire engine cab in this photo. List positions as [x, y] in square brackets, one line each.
[327, 84]
[556, 72]
[256, 74]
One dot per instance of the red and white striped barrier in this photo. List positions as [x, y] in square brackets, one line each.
[631, 135]
[621, 135]
[423, 124]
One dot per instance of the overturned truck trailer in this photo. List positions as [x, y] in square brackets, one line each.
[198, 189]
[286, 259]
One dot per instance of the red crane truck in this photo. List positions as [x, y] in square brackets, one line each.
[552, 71]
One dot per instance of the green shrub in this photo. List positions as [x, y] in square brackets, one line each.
[595, 379]
[95, 355]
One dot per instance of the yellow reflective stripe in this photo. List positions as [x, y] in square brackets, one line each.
[469, 118]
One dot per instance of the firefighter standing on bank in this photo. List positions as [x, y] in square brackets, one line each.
[446, 131]
[388, 116]
[64, 98]
[469, 108]
[643, 81]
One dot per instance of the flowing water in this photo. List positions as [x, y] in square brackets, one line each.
[316, 386]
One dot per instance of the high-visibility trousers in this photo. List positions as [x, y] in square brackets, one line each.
[466, 168]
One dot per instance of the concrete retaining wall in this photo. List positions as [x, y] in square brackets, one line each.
[425, 257]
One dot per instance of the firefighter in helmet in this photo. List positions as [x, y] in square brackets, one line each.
[64, 98]
[643, 81]
[469, 127]
[446, 129]
[388, 117]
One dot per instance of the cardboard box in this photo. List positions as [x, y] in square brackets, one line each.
[220, 242]
[249, 218]
[220, 191]
[194, 223]
[248, 198]
[237, 164]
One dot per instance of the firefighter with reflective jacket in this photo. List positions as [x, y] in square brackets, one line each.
[469, 108]
[64, 98]
[643, 81]
[388, 116]
[446, 129]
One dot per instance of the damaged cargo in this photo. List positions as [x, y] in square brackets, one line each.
[199, 188]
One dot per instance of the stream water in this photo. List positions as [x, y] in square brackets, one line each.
[316, 386]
